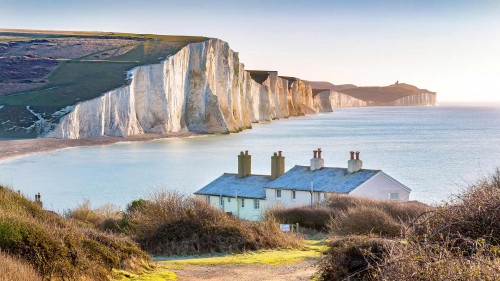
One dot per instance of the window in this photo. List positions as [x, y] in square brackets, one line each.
[394, 196]
[293, 195]
[229, 199]
[242, 203]
[318, 196]
[222, 201]
[278, 193]
[207, 199]
[256, 203]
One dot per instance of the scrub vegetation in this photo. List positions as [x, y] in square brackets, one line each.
[35, 242]
[459, 240]
[168, 223]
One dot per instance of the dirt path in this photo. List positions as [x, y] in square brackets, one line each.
[304, 270]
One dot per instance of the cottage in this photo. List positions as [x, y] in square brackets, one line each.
[246, 195]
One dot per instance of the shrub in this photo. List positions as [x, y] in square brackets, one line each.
[59, 248]
[470, 217]
[399, 211]
[457, 241]
[364, 220]
[353, 257]
[311, 218]
[12, 269]
[105, 217]
[170, 223]
[430, 261]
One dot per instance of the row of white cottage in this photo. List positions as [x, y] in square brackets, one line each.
[247, 196]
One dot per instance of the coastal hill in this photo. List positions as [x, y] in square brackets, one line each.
[396, 94]
[46, 72]
[76, 85]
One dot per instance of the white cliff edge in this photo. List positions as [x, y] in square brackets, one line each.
[203, 88]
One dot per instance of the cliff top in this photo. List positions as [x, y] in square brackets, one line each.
[49, 70]
[372, 93]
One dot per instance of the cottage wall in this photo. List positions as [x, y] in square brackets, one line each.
[248, 212]
[380, 187]
[302, 198]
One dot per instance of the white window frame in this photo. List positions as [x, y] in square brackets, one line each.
[394, 198]
[317, 196]
[256, 204]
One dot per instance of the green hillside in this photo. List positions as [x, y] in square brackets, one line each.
[48, 71]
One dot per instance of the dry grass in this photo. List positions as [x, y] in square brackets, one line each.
[361, 216]
[457, 241]
[59, 248]
[106, 217]
[169, 223]
[12, 269]
[365, 220]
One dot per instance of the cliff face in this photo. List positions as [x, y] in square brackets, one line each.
[422, 99]
[327, 100]
[203, 88]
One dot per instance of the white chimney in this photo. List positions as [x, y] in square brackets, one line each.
[354, 164]
[317, 162]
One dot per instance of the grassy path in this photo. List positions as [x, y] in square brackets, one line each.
[281, 264]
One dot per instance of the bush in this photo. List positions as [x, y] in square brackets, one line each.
[311, 218]
[400, 211]
[470, 217]
[59, 248]
[105, 217]
[169, 223]
[361, 216]
[457, 241]
[353, 257]
[12, 269]
[365, 220]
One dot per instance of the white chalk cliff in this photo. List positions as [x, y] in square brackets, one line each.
[203, 88]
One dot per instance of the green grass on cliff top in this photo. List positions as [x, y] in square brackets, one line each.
[78, 80]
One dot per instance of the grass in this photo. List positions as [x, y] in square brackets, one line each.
[78, 80]
[13, 269]
[275, 257]
[163, 269]
[172, 224]
[156, 274]
[459, 240]
[59, 248]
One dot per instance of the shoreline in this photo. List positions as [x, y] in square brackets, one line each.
[18, 148]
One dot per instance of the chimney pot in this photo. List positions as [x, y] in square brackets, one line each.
[241, 152]
[279, 153]
[352, 155]
[357, 155]
[319, 152]
[315, 154]
[246, 152]
[275, 154]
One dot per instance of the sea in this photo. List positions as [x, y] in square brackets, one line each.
[436, 151]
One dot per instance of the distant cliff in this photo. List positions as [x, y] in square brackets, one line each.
[203, 88]
[399, 94]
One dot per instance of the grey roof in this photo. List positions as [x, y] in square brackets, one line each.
[247, 187]
[324, 179]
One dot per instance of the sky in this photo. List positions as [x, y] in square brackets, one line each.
[451, 47]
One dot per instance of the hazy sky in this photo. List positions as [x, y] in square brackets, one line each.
[452, 47]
